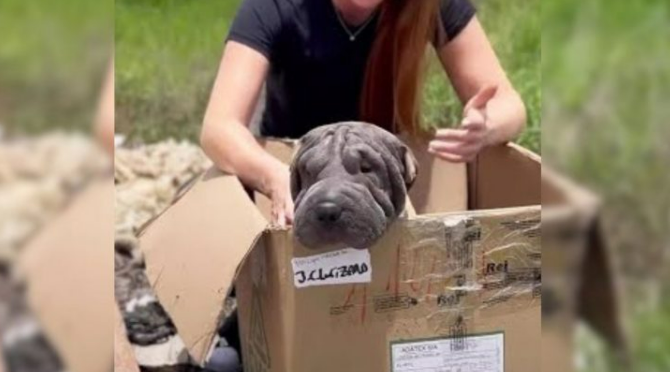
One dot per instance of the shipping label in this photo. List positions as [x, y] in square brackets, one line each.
[346, 266]
[477, 353]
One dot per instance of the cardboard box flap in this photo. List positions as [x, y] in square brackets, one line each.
[440, 186]
[193, 279]
[559, 191]
[70, 275]
[599, 294]
[505, 176]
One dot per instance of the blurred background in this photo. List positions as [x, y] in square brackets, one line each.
[53, 60]
[595, 75]
[53, 57]
[606, 124]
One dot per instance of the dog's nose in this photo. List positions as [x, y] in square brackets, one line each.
[328, 212]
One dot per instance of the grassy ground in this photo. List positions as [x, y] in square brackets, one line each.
[167, 53]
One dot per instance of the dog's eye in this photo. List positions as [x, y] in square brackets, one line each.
[366, 168]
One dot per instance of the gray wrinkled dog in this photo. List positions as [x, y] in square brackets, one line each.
[349, 182]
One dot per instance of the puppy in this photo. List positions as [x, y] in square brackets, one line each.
[349, 182]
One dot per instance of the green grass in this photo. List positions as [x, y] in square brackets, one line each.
[53, 57]
[167, 53]
[649, 345]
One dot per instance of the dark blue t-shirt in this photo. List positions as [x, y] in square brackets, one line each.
[316, 71]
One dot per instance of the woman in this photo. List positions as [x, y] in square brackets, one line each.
[325, 61]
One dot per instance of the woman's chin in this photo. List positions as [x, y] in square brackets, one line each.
[361, 4]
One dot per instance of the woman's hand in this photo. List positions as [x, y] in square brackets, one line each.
[279, 192]
[463, 144]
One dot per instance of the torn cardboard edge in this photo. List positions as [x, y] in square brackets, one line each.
[189, 281]
[600, 293]
[65, 267]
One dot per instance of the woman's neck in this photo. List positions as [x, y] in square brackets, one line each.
[356, 12]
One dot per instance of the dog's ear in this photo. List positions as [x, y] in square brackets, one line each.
[296, 180]
[306, 142]
[410, 167]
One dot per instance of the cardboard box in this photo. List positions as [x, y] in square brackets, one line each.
[69, 271]
[463, 282]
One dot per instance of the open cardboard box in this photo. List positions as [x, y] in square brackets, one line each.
[459, 284]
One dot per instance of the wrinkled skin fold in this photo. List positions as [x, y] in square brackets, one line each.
[349, 182]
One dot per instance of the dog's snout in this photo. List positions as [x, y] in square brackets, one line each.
[328, 212]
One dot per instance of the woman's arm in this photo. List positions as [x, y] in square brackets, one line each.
[494, 112]
[225, 136]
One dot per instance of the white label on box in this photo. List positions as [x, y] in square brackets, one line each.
[347, 266]
[484, 353]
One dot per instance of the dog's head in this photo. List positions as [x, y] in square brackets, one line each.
[349, 182]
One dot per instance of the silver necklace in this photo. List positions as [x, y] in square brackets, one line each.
[354, 35]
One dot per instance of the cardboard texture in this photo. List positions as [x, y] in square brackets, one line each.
[192, 253]
[505, 176]
[432, 278]
[433, 175]
[579, 282]
[69, 271]
[444, 276]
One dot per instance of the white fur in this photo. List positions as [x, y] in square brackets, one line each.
[172, 352]
[143, 301]
[25, 329]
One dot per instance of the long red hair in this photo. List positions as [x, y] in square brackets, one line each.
[392, 90]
